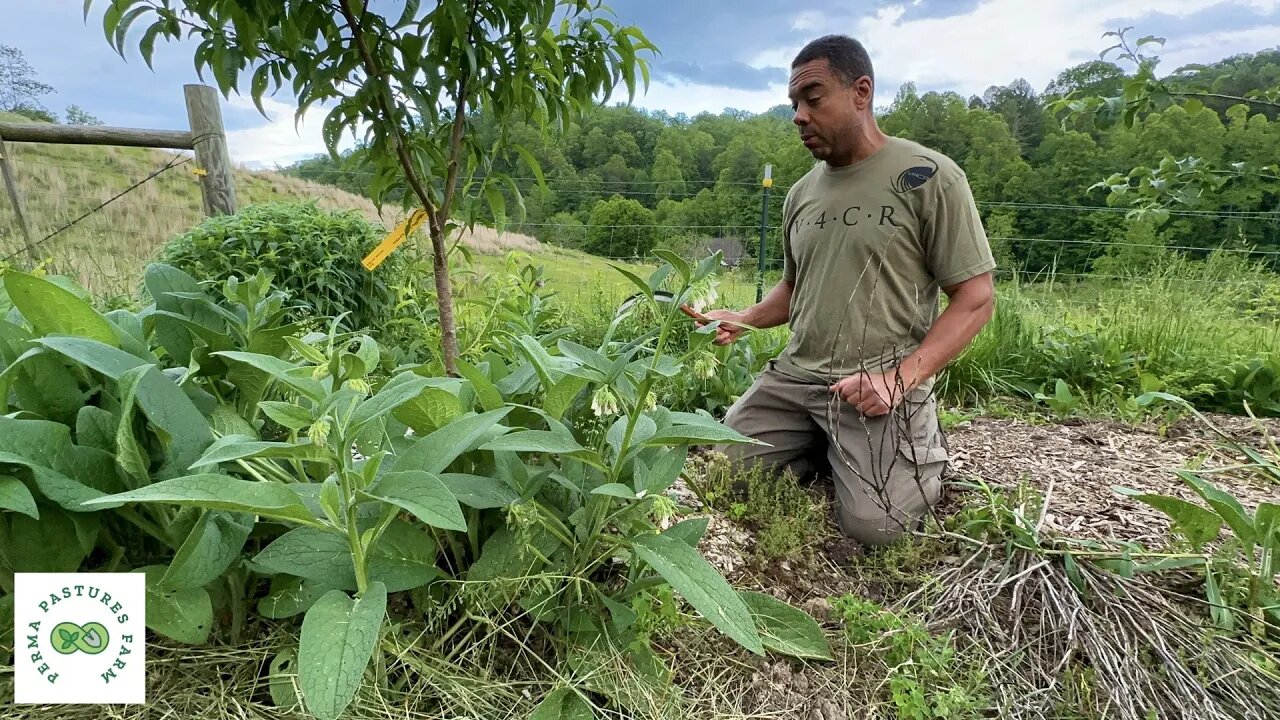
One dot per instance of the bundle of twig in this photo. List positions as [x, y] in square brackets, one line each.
[1146, 656]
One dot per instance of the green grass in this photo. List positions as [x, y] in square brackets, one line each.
[1206, 330]
[1186, 327]
[106, 251]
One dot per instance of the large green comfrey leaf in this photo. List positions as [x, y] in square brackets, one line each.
[704, 587]
[181, 614]
[786, 629]
[435, 452]
[218, 492]
[16, 497]
[161, 282]
[61, 471]
[242, 447]
[1197, 524]
[1227, 507]
[283, 371]
[563, 704]
[310, 553]
[401, 389]
[170, 410]
[50, 544]
[339, 637]
[210, 548]
[52, 310]
[422, 494]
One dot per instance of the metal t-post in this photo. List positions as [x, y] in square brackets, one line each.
[761, 257]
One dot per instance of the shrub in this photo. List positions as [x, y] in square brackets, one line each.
[621, 227]
[312, 254]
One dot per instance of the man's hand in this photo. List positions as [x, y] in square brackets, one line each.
[874, 394]
[727, 331]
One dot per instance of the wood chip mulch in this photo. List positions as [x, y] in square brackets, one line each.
[1079, 462]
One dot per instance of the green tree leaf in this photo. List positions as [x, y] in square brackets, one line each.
[339, 637]
[705, 589]
[786, 629]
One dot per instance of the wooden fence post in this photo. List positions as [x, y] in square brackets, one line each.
[11, 182]
[216, 184]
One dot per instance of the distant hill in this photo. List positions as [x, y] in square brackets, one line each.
[107, 250]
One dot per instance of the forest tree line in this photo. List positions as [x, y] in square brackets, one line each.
[621, 181]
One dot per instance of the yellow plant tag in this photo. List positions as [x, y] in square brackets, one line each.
[406, 228]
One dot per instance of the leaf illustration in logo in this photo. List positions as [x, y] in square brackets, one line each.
[68, 638]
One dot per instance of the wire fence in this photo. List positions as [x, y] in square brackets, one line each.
[101, 219]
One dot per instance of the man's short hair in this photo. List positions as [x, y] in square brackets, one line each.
[846, 56]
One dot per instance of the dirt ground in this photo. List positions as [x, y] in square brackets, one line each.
[1078, 463]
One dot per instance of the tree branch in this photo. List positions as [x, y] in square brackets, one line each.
[1220, 96]
[436, 219]
[459, 121]
[385, 100]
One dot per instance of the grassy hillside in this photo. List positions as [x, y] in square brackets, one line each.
[106, 250]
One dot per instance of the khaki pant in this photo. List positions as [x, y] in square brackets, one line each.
[887, 470]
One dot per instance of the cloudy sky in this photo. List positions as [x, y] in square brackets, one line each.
[715, 53]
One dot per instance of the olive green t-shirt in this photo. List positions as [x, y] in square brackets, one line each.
[867, 247]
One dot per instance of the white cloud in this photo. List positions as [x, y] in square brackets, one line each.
[1217, 45]
[1000, 40]
[276, 140]
[693, 98]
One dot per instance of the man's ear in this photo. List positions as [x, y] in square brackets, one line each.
[865, 89]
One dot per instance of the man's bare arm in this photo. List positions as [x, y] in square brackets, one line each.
[970, 306]
[774, 309]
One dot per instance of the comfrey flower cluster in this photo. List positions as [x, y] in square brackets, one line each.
[604, 403]
[703, 295]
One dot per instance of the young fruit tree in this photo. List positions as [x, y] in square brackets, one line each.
[1171, 182]
[407, 82]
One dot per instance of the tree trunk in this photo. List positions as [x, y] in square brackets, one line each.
[437, 217]
[444, 298]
